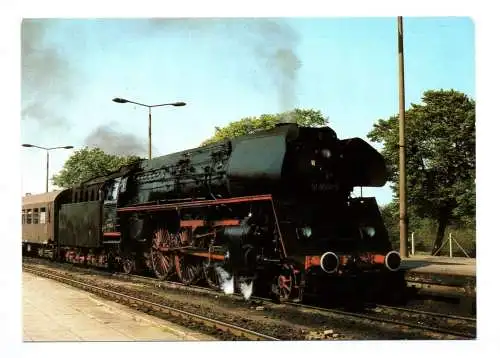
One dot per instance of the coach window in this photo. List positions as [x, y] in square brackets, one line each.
[28, 216]
[35, 216]
[43, 219]
[23, 218]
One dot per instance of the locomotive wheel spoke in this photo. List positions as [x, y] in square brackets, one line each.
[188, 271]
[286, 283]
[162, 264]
[128, 266]
[285, 286]
[211, 276]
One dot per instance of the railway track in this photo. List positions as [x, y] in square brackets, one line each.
[231, 329]
[431, 314]
[414, 319]
[371, 314]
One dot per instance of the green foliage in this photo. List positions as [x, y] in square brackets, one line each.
[441, 158]
[425, 230]
[88, 163]
[250, 125]
[390, 216]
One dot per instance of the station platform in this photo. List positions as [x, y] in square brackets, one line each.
[452, 274]
[459, 266]
[56, 312]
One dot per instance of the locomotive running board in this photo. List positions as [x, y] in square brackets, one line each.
[194, 204]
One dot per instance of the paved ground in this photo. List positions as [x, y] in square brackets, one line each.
[441, 265]
[55, 312]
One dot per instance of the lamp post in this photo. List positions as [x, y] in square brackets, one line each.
[47, 150]
[403, 219]
[174, 104]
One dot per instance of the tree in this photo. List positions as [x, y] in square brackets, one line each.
[88, 163]
[389, 216]
[441, 158]
[249, 125]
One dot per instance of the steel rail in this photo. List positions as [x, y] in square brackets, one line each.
[337, 311]
[427, 313]
[212, 323]
[389, 320]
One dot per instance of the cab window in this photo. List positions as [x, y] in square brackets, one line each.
[112, 191]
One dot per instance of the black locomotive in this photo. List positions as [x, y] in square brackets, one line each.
[272, 209]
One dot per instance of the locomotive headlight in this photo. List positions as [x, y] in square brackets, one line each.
[326, 153]
[306, 231]
[370, 231]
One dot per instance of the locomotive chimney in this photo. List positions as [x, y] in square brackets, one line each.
[286, 119]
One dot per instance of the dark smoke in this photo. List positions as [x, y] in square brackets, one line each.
[113, 142]
[46, 75]
[273, 43]
[47, 78]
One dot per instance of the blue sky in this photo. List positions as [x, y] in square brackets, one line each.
[225, 71]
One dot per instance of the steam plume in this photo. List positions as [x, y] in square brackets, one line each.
[113, 142]
[246, 289]
[226, 280]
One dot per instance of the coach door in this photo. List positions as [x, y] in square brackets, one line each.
[110, 225]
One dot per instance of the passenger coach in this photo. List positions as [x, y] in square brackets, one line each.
[39, 222]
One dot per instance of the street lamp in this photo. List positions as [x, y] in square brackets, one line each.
[174, 104]
[47, 150]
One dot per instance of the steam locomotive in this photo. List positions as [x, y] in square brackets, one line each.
[272, 209]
